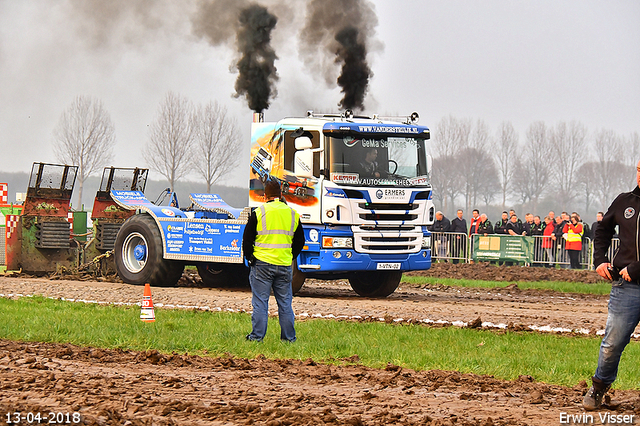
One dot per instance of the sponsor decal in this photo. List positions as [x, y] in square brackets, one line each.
[629, 212]
[350, 141]
[233, 247]
[313, 235]
[168, 212]
[345, 178]
[379, 194]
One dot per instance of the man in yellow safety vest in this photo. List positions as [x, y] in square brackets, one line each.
[272, 238]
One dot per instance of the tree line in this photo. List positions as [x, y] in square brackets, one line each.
[183, 138]
[564, 166]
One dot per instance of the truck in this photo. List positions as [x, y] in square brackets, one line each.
[365, 227]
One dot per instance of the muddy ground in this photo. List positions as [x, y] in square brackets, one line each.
[135, 388]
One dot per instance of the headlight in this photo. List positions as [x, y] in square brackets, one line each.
[337, 242]
[426, 242]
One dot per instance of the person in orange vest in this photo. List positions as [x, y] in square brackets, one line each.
[574, 230]
[272, 238]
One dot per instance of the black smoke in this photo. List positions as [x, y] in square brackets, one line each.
[341, 32]
[257, 71]
[355, 72]
[218, 20]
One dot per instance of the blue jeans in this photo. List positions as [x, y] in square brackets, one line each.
[263, 278]
[624, 314]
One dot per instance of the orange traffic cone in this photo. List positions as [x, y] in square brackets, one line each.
[146, 312]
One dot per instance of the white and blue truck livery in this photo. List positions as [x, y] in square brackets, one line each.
[364, 213]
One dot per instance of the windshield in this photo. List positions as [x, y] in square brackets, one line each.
[393, 161]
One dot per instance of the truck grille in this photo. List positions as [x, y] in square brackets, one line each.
[387, 212]
[387, 240]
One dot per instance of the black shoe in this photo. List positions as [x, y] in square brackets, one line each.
[593, 399]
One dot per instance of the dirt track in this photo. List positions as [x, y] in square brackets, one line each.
[117, 387]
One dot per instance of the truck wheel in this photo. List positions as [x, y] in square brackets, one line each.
[375, 284]
[223, 274]
[298, 278]
[138, 254]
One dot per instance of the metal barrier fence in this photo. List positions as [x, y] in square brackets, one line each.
[458, 247]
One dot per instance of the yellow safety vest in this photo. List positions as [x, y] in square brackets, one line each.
[573, 237]
[276, 224]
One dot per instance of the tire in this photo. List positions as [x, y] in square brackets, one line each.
[375, 283]
[223, 274]
[138, 254]
[298, 278]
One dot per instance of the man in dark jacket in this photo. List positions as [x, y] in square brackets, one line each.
[537, 230]
[500, 227]
[484, 227]
[624, 299]
[595, 224]
[459, 242]
[514, 226]
[441, 226]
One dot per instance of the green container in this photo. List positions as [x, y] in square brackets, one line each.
[80, 225]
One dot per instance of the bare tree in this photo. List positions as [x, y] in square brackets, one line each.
[451, 135]
[569, 141]
[634, 148]
[506, 153]
[217, 147]
[612, 176]
[532, 172]
[170, 137]
[84, 137]
[586, 184]
[446, 181]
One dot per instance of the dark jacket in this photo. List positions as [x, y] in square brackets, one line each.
[500, 227]
[441, 225]
[250, 233]
[537, 229]
[558, 230]
[592, 231]
[459, 225]
[485, 228]
[624, 212]
[526, 227]
[515, 227]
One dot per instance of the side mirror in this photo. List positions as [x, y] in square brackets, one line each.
[303, 142]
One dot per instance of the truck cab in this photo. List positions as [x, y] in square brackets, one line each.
[362, 188]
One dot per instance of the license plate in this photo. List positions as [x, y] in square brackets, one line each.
[388, 266]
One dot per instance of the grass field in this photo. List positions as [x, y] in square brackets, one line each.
[561, 286]
[549, 358]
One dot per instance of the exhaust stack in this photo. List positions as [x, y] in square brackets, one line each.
[258, 117]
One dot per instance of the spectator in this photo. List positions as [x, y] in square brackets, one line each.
[561, 252]
[574, 230]
[484, 227]
[440, 226]
[537, 230]
[595, 225]
[514, 226]
[501, 226]
[512, 212]
[475, 221]
[549, 240]
[528, 223]
[459, 242]
[552, 216]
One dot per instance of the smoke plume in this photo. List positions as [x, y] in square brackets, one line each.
[257, 72]
[341, 32]
[252, 24]
[355, 72]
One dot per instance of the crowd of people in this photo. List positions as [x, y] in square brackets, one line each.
[551, 231]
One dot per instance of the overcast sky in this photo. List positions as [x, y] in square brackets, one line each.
[495, 60]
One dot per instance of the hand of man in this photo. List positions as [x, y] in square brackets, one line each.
[625, 274]
[603, 270]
